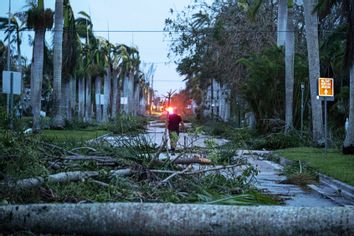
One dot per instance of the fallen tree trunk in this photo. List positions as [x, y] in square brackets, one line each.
[62, 178]
[175, 219]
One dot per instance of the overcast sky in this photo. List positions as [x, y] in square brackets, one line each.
[126, 15]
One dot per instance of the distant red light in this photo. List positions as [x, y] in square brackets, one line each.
[170, 110]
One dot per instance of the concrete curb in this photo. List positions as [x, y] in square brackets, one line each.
[346, 190]
[339, 192]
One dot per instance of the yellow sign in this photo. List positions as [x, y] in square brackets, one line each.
[325, 87]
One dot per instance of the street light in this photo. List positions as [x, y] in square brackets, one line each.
[302, 106]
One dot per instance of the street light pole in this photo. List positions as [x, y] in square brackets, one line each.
[302, 107]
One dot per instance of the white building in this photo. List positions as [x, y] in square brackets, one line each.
[217, 102]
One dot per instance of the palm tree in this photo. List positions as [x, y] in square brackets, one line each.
[133, 80]
[70, 59]
[285, 38]
[289, 70]
[98, 81]
[107, 48]
[130, 66]
[348, 13]
[311, 24]
[17, 26]
[349, 139]
[39, 20]
[126, 66]
[84, 29]
[117, 61]
[58, 121]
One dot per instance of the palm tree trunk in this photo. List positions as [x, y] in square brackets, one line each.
[115, 93]
[348, 145]
[81, 97]
[88, 106]
[119, 91]
[72, 97]
[131, 93]
[37, 78]
[126, 93]
[282, 21]
[136, 99]
[58, 121]
[97, 98]
[311, 24]
[349, 137]
[67, 97]
[289, 72]
[107, 94]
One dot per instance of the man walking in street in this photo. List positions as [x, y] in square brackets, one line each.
[174, 120]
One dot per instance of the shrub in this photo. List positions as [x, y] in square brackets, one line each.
[77, 124]
[277, 141]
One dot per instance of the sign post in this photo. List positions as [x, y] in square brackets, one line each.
[11, 84]
[326, 93]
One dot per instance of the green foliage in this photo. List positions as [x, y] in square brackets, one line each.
[19, 124]
[216, 128]
[264, 88]
[246, 199]
[38, 18]
[277, 141]
[220, 154]
[20, 156]
[78, 124]
[3, 118]
[80, 191]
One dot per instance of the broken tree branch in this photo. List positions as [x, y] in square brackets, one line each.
[103, 159]
[59, 148]
[100, 183]
[174, 174]
[62, 178]
[79, 148]
[197, 171]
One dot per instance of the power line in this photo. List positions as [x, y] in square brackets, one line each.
[168, 80]
[181, 31]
